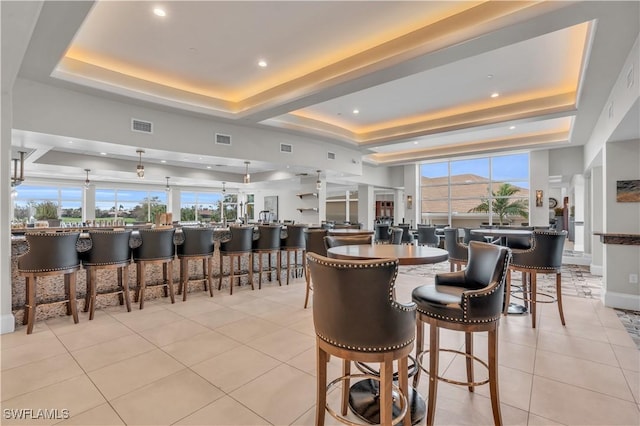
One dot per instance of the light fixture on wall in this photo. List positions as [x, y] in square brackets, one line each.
[318, 182]
[247, 176]
[167, 188]
[224, 190]
[140, 167]
[87, 182]
[18, 176]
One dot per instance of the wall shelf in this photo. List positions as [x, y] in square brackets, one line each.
[307, 194]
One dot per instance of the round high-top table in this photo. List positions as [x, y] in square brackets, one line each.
[364, 397]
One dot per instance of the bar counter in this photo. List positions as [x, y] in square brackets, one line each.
[51, 289]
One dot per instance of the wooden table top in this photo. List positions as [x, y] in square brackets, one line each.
[405, 253]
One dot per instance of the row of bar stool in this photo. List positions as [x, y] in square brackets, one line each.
[51, 254]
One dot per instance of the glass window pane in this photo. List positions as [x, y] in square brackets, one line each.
[435, 206]
[431, 171]
[474, 190]
[435, 192]
[467, 171]
[71, 193]
[467, 206]
[510, 167]
[187, 198]
[31, 192]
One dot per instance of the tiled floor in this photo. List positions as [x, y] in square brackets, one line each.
[249, 359]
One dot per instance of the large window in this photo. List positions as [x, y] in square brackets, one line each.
[34, 202]
[130, 205]
[200, 206]
[492, 189]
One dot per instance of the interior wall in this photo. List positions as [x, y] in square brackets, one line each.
[539, 181]
[597, 225]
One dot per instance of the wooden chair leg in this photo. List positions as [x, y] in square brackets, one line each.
[141, 283]
[434, 347]
[125, 286]
[419, 348]
[169, 280]
[120, 287]
[260, 271]
[507, 294]
[308, 290]
[468, 343]
[210, 274]
[184, 278]
[251, 270]
[403, 383]
[93, 273]
[533, 289]
[279, 267]
[220, 276]
[346, 384]
[321, 385]
[493, 376]
[204, 273]
[70, 283]
[31, 284]
[87, 295]
[386, 398]
[231, 275]
[559, 295]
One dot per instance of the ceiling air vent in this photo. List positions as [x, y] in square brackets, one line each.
[286, 148]
[141, 126]
[331, 155]
[223, 139]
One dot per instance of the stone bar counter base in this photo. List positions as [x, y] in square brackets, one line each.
[51, 289]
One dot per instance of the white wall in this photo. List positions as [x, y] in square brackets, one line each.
[539, 180]
[597, 223]
[621, 162]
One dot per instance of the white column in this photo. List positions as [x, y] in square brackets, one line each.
[366, 206]
[597, 224]
[398, 206]
[578, 210]
[7, 321]
[347, 213]
[89, 203]
[411, 190]
[174, 202]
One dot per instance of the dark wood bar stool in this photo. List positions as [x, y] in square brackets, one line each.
[293, 243]
[109, 250]
[240, 244]
[197, 245]
[157, 248]
[268, 243]
[357, 319]
[49, 254]
[313, 243]
[469, 301]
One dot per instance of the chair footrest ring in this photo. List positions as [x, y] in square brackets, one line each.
[344, 420]
[451, 381]
[550, 297]
[366, 369]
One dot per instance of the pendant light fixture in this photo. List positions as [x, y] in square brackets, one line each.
[318, 182]
[18, 177]
[167, 188]
[87, 182]
[247, 176]
[224, 190]
[140, 168]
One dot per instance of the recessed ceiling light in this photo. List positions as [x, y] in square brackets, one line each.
[415, 142]
[356, 111]
[208, 167]
[199, 158]
[489, 76]
[495, 94]
[262, 63]
[159, 12]
[512, 127]
[70, 141]
[103, 153]
[163, 161]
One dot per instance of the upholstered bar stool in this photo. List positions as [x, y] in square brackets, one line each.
[458, 252]
[240, 244]
[197, 245]
[157, 248]
[427, 236]
[267, 244]
[109, 250]
[354, 240]
[356, 319]
[382, 233]
[293, 243]
[469, 301]
[407, 238]
[49, 254]
[314, 243]
[544, 257]
[396, 235]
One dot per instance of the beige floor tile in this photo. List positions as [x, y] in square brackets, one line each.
[223, 411]
[234, 368]
[601, 378]
[633, 380]
[291, 393]
[39, 374]
[520, 357]
[107, 353]
[200, 347]
[102, 415]
[172, 332]
[306, 361]
[577, 329]
[39, 349]
[284, 344]
[90, 336]
[167, 400]
[304, 326]
[64, 325]
[576, 406]
[541, 421]
[517, 329]
[287, 315]
[194, 306]
[629, 358]
[257, 306]
[240, 295]
[145, 320]
[333, 399]
[219, 317]
[248, 329]
[577, 347]
[514, 388]
[124, 376]
[74, 395]
[20, 336]
[620, 338]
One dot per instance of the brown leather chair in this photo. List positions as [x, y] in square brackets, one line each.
[470, 301]
[49, 254]
[197, 245]
[544, 257]
[354, 240]
[268, 243]
[356, 319]
[157, 248]
[240, 244]
[293, 243]
[109, 250]
[458, 252]
[314, 243]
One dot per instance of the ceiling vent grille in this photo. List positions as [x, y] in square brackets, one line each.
[286, 148]
[141, 126]
[331, 155]
[223, 139]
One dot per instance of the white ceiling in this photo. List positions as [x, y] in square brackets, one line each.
[420, 72]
